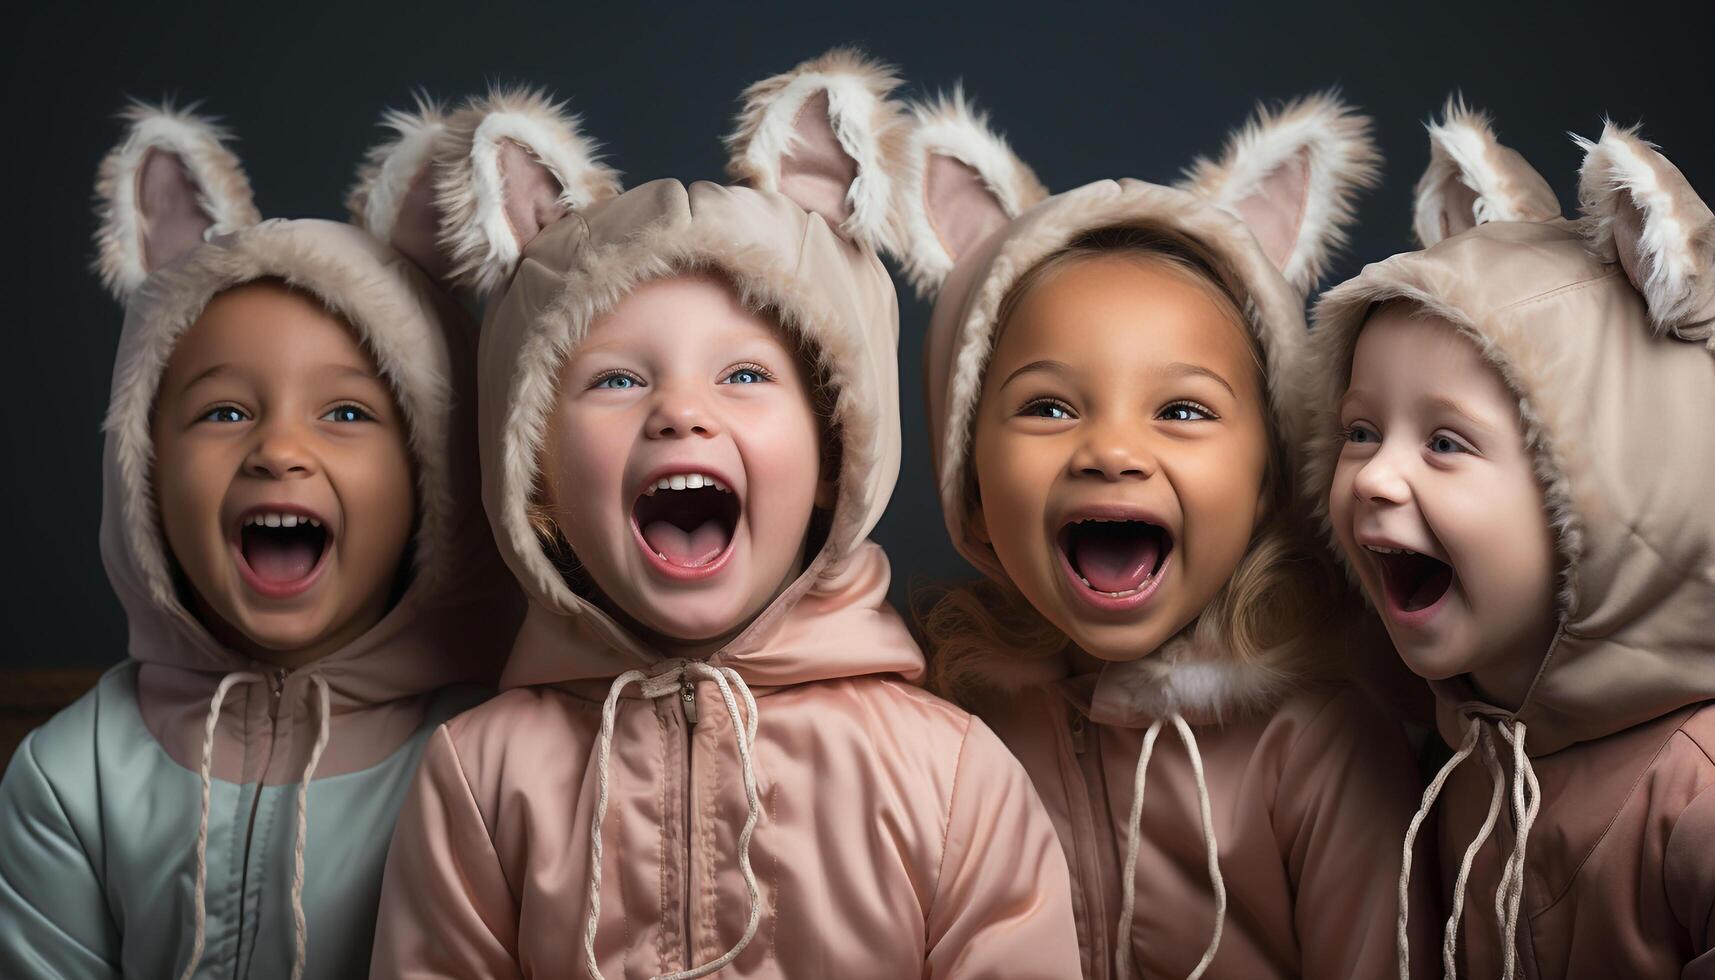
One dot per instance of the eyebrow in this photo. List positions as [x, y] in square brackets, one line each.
[1449, 405]
[1182, 369]
[1046, 364]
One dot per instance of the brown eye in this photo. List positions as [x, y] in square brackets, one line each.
[1047, 409]
[1185, 412]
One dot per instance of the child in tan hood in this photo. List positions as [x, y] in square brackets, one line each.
[711, 753]
[1115, 414]
[307, 579]
[1515, 457]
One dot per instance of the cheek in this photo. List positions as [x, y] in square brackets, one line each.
[188, 489]
[1498, 533]
[1219, 491]
[583, 468]
[1014, 477]
[377, 487]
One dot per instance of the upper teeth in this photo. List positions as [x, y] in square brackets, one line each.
[686, 481]
[280, 520]
[1378, 549]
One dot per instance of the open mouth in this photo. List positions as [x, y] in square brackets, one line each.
[686, 521]
[282, 550]
[1412, 582]
[1117, 559]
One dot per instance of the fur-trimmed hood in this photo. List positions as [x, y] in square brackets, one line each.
[1602, 328]
[1271, 209]
[177, 228]
[800, 241]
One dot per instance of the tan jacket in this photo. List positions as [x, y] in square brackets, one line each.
[1307, 788]
[887, 833]
[1602, 327]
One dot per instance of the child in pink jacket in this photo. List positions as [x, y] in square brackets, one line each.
[1515, 452]
[711, 752]
[1114, 413]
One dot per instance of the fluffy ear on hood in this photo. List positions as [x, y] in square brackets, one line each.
[169, 182]
[959, 181]
[1291, 176]
[820, 134]
[508, 165]
[1472, 179]
[394, 197]
[1640, 210]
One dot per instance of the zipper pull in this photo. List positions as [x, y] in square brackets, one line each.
[688, 698]
[1078, 733]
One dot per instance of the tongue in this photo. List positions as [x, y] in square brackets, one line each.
[1115, 563]
[281, 558]
[688, 548]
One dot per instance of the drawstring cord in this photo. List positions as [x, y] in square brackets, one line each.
[1134, 839]
[662, 685]
[1526, 796]
[301, 931]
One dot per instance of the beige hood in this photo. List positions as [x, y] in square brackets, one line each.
[177, 227]
[1603, 329]
[538, 219]
[974, 219]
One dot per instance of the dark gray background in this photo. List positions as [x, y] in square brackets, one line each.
[1106, 90]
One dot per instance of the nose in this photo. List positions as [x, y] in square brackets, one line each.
[281, 452]
[1380, 480]
[1111, 454]
[679, 413]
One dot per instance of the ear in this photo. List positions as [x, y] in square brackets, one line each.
[166, 186]
[959, 183]
[1639, 210]
[394, 198]
[1472, 179]
[508, 165]
[820, 134]
[1291, 176]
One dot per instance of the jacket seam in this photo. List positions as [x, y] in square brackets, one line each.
[29, 747]
[464, 783]
[1292, 752]
[952, 800]
[1631, 793]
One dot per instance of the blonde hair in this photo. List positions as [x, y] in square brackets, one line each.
[1277, 594]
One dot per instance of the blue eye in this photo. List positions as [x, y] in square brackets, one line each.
[1439, 443]
[747, 376]
[1185, 412]
[616, 381]
[1361, 435]
[347, 413]
[224, 413]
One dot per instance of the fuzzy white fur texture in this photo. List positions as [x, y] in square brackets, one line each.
[1673, 260]
[471, 187]
[1339, 156]
[390, 167]
[949, 126]
[223, 190]
[863, 119]
[1463, 148]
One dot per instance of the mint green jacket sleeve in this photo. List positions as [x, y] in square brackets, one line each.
[54, 918]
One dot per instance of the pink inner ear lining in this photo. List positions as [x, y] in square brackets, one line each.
[1275, 210]
[818, 173]
[530, 189]
[962, 209]
[1628, 228]
[173, 221]
[1458, 207]
[416, 225]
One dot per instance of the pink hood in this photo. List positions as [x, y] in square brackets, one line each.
[449, 626]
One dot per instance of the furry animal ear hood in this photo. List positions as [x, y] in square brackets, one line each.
[176, 226]
[541, 224]
[1597, 325]
[975, 220]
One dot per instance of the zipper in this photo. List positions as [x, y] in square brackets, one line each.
[1078, 724]
[688, 703]
[276, 692]
[1082, 818]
